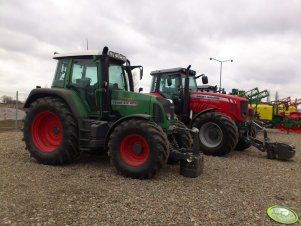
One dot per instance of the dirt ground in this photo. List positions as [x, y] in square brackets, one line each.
[233, 190]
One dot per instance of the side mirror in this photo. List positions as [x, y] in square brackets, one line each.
[204, 79]
[169, 82]
[140, 89]
[130, 68]
[141, 72]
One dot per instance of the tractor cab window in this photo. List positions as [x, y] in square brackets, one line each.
[84, 71]
[192, 83]
[169, 86]
[126, 78]
[60, 73]
[154, 84]
[116, 77]
[84, 81]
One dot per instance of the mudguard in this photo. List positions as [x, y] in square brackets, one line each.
[77, 108]
[200, 113]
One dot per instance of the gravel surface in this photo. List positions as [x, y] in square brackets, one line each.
[233, 190]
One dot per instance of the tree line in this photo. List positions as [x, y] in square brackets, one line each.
[8, 100]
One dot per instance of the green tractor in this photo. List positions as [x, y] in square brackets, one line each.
[91, 106]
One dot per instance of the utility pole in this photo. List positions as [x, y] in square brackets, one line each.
[220, 72]
[17, 107]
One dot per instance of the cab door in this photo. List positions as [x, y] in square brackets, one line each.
[170, 87]
[85, 80]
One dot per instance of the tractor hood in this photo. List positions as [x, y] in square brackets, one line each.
[129, 103]
[217, 97]
[235, 107]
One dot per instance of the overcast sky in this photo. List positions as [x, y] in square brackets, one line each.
[263, 37]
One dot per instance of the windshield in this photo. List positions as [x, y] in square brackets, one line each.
[167, 85]
[172, 83]
[192, 83]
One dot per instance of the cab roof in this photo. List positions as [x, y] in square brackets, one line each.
[80, 53]
[172, 71]
[112, 54]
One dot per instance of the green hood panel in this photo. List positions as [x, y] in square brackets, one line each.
[129, 103]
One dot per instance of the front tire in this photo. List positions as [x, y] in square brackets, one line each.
[218, 133]
[181, 139]
[138, 148]
[50, 132]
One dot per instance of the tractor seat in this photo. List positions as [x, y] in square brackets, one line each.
[114, 86]
[83, 82]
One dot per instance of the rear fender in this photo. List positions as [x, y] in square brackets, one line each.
[76, 106]
[200, 113]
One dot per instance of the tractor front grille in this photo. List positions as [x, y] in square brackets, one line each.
[244, 108]
[158, 114]
[168, 107]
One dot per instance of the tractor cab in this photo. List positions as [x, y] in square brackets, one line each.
[95, 77]
[170, 84]
[170, 81]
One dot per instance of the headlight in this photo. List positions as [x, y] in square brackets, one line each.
[170, 100]
[168, 115]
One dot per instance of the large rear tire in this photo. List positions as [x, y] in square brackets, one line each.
[138, 148]
[181, 139]
[218, 133]
[242, 144]
[50, 132]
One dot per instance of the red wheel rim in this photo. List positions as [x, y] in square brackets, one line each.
[47, 131]
[129, 153]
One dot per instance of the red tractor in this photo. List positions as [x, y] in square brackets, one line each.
[224, 121]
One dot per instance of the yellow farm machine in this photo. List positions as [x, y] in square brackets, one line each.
[281, 114]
